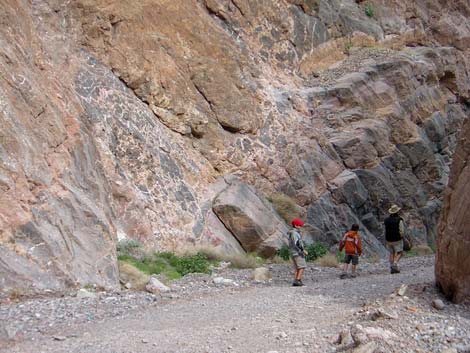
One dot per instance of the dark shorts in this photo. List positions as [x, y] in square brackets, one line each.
[348, 258]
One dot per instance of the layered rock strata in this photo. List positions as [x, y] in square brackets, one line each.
[118, 119]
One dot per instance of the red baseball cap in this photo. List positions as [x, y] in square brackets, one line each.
[297, 223]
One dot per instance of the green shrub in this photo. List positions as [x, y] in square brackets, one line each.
[340, 256]
[191, 264]
[315, 250]
[284, 253]
[152, 264]
[369, 11]
[169, 264]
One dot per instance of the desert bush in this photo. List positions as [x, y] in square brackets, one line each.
[130, 247]
[152, 264]
[369, 11]
[191, 264]
[285, 206]
[340, 256]
[327, 260]
[284, 253]
[315, 250]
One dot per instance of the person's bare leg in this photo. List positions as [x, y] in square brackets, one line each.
[392, 258]
[353, 268]
[398, 257]
[300, 273]
[345, 268]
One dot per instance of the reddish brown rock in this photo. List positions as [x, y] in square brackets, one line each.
[452, 260]
[116, 117]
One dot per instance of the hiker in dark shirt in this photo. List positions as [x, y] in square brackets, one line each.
[394, 232]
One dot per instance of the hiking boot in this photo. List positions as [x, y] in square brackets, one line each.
[343, 275]
[394, 269]
[297, 283]
[353, 275]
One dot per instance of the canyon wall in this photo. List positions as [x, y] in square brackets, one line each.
[142, 121]
[452, 260]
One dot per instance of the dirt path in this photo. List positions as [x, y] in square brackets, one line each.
[273, 317]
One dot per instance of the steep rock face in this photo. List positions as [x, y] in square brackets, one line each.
[117, 118]
[452, 261]
[83, 162]
[56, 224]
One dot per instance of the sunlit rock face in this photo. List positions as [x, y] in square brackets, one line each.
[452, 260]
[123, 119]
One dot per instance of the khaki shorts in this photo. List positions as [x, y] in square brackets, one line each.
[299, 262]
[395, 246]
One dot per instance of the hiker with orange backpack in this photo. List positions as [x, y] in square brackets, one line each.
[352, 246]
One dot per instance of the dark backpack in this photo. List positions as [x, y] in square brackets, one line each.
[407, 243]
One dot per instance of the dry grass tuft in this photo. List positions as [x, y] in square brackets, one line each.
[216, 254]
[278, 260]
[212, 253]
[373, 259]
[328, 260]
[422, 250]
[286, 207]
[242, 260]
[15, 294]
[130, 274]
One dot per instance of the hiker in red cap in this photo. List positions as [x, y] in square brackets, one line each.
[297, 251]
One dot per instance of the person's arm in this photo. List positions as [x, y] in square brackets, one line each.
[401, 228]
[359, 245]
[342, 243]
[299, 245]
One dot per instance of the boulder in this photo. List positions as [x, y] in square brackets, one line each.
[438, 304]
[155, 286]
[250, 218]
[83, 293]
[224, 281]
[452, 260]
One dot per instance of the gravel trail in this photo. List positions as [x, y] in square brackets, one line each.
[199, 316]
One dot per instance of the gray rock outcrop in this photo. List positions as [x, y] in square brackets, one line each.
[117, 119]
